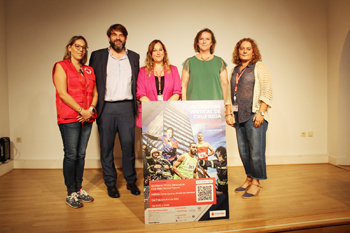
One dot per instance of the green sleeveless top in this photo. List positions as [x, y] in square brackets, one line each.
[204, 83]
[187, 167]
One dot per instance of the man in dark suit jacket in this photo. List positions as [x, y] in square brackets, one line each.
[116, 70]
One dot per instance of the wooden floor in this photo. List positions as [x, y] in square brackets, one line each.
[295, 197]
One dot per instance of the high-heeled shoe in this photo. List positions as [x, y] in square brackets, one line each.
[249, 195]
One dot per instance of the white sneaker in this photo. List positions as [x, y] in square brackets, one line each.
[72, 201]
[84, 196]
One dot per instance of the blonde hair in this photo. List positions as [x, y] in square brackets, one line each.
[149, 60]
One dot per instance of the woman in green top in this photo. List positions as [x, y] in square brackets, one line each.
[204, 76]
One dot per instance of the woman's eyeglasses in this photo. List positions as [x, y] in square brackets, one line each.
[79, 47]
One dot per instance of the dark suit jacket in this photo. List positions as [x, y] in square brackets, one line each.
[98, 61]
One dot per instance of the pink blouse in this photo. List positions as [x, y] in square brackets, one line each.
[146, 86]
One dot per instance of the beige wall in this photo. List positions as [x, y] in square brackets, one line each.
[292, 40]
[338, 81]
[4, 105]
[4, 100]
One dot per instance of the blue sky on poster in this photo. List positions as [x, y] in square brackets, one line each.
[208, 117]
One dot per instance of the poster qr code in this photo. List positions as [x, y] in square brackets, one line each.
[204, 193]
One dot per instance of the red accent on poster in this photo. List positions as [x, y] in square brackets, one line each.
[172, 193]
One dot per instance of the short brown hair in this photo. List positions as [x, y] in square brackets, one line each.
[195, 44]
[256, 56]
[67, 54]
[117, 27]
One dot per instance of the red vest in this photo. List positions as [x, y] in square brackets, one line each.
[79, 87]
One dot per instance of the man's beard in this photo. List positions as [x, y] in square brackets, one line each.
[116, 48]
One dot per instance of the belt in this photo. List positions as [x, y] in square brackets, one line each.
[118, 101]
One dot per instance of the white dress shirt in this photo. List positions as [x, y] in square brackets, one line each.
[118, 81]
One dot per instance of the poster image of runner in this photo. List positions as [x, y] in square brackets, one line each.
[185, 161]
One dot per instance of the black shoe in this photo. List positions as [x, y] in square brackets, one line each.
[113, 192]
[133, 188]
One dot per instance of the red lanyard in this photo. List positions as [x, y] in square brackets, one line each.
[238, 77]
[159, 79]
[159, 83]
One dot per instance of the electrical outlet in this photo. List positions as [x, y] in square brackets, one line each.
[310, 134]
[303, 134]
[18, 139]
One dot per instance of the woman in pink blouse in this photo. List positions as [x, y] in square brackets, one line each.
[158, 80]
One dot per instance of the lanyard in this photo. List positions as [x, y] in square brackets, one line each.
[238, 77]
[159, 83]
[159, 79]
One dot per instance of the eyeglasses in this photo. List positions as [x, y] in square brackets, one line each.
[79, 47]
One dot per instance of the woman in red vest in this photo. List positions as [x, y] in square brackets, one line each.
[76, 98]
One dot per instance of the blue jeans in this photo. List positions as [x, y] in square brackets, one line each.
[251, 145]
[75, 137]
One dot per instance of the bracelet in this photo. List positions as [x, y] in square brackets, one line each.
[228, 115]
[80, 109]
[93, 106]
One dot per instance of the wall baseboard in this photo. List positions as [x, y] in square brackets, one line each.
[236, 161]
[286, 159]
[297, 159]
[6, 167]
[339, 160]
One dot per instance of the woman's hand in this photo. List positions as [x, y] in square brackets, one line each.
[258, 120]
[144, 99]
[174, 97]
[85, 115]
[229, 120]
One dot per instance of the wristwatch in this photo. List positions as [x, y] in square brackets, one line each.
[262, 113]
[92, 109]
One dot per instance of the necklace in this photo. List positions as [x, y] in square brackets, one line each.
[158, 74]
[206, 58]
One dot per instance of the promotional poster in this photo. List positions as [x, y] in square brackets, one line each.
[185, 161]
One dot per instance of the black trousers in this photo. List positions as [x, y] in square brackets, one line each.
[117, 118]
